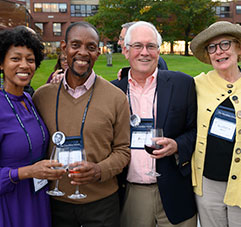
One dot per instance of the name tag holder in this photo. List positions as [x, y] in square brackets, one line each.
[138, 133]
[223, 124]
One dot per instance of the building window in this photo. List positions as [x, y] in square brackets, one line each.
[37, 7]
[41, 27]
[83, 10]
[50, 7]
[62, 7]
[223, 11]
[57, 29]
[238, 9]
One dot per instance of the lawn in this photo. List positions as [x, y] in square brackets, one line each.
[189, 65]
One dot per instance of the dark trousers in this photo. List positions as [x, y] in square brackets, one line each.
[101, 213]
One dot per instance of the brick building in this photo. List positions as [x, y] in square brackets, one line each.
[14, 13]
[52, 17]
[230, 11]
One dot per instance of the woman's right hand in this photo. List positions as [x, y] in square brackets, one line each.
[41, 170]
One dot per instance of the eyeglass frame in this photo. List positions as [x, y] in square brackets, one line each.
[63, 59]
[219, 44]
[121, 38]
[142, 46]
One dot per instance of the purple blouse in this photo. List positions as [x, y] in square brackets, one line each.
[19, 204]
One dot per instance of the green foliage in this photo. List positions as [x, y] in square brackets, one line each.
[189, 65]
[52, 56]
[113, 13]
[183, 19]
[175, 19]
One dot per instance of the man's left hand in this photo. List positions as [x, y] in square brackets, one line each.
[169, 147]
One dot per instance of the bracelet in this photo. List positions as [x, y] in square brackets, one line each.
[10, 177]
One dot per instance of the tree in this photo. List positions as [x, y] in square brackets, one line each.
[113, 13]
[183, 19]
[175, 19]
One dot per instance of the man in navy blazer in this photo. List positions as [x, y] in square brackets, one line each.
[167, 200]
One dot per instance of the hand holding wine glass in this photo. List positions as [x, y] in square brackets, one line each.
[150, 146]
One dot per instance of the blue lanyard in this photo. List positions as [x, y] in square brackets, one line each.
[85, 111]
[154, 98]
[23, 127]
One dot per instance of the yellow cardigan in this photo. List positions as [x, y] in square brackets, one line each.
[212, 90]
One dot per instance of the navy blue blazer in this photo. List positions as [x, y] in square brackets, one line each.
[176, 114]
[162, 64]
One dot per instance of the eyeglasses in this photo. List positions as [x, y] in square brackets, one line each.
[63, 59]
[140, 46]
[121, 38]
[223, 45]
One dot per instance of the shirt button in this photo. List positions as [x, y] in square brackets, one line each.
[234, 98]
[239, 131]
[229, 85]
[229, 91]
[237, 159]
[238, 151]
[234, 177]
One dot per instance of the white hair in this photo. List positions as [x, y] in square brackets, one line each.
[138, 24]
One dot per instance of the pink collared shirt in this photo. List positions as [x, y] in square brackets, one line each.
[80, 90]
[142, 105]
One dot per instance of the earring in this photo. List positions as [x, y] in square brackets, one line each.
[1, 79]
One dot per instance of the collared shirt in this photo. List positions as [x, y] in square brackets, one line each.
[80, 90]
[142, 105]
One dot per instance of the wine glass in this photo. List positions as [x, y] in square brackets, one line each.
[60, 154]
[76, 155]
[150, 146]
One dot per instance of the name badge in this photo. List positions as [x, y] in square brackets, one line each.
[39, 183]
[63, 156]
[223, 124]
[139, 133]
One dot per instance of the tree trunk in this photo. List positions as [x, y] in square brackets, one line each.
[186, 48]
[172, 47]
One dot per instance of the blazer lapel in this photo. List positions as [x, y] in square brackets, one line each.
[164, 92]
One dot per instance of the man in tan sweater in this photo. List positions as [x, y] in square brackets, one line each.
[86, 106]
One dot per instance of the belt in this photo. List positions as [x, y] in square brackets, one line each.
[141, 184]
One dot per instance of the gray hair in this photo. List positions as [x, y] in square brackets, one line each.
[138, 24]
[127, 25]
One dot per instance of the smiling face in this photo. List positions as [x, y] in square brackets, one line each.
[19, 67]
[143, 62]
[81, 51]
[225, 60]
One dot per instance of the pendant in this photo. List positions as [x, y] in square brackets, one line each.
[135, 120]
[58, 138]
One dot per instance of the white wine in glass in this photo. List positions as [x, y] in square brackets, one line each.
[60, 154]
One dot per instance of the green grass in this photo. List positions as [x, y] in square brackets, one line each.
[189, 65]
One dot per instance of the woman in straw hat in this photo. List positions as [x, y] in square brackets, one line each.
[216, 162]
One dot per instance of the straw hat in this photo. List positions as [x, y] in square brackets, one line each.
[199, 42]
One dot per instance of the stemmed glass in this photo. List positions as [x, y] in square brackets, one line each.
[60, 154]
[150, 146]
[77, 155]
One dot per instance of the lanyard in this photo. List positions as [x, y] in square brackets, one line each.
[23, 127]
[129, 99]
[85, 112]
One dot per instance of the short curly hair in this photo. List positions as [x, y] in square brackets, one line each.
[21, 36]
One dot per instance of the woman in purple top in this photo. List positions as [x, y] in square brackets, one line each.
[23, 136]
